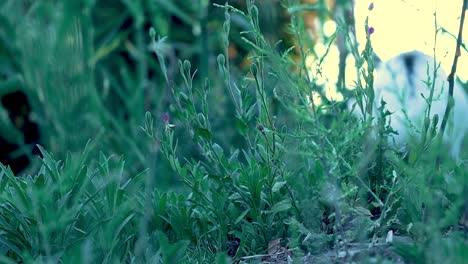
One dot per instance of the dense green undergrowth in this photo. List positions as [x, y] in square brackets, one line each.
[267, 174]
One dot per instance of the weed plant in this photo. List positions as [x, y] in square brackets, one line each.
[268, 174]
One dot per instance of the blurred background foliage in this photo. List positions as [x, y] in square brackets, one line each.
[71, 71]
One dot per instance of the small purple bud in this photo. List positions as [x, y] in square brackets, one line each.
[371, 6]
[370, 30]
[260, 127]
[166, 117]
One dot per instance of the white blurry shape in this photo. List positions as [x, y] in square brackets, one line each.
[320, 49]
[326, 71]
[332, 93]
[351, 73]
[315, 70]
[329, 28]
[404, 25]
[316, 99]
[400, 82]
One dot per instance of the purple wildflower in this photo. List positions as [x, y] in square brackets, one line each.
[370, 30]
[371, 6]
[260, 127]
[166, 117]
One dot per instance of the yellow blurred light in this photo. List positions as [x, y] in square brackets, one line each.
[320, 49]
[329, 28]
[413, 30]
[332, 93]
[315, 99]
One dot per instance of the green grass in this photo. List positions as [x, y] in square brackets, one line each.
[243, 160]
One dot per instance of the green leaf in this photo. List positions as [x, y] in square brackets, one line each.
[235, 196]
[7, 129]
[234, 156]
[241, 216]
[281, 206]
[218, 150]
[50, 164]
[19, 188]
[10, 246]
[222, 258]
[241, 127]
[277, 186]
[203, 133]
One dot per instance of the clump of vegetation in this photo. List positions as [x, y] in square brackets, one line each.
[265, 173]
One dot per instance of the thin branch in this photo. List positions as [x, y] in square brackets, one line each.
[451, 77]
[346, 11]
